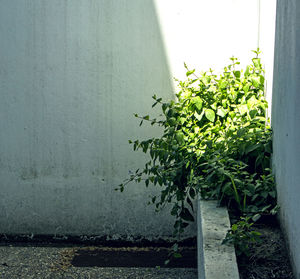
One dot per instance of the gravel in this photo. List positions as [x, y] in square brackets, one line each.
[55, 263]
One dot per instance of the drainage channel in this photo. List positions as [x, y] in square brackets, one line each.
[133, 257]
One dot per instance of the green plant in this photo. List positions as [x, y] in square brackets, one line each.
[241, 235]
[216, 141]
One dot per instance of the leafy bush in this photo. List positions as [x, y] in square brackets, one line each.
[216, 142]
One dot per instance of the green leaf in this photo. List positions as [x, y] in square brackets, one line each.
[172, 121]
[210, 115]
[164, 107]
[274, 210]
[256, 62]
[255, 81]
[251, 148]
[175, 247]
[188, 73]
[213, 106]
[247, 71]
[272, 194]
[234, 227]
[199, 116]
[241, 132]
[256, 217]
[237, 74]
[198, 103]
[177, 255]
[154, 104]
[221, 112]
[243, 109]
[252, 102]
[223, 84]
[264, 194]
[253, 113]
[246, 87]
[182, 120]
[179, 137]
[266, 207]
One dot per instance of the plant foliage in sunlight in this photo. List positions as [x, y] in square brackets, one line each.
[216, 142]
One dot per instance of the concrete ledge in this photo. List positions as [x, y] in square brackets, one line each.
[215, 261]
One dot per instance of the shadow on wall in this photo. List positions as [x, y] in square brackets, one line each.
[72, 73]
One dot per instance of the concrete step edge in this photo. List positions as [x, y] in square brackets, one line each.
[215, 260]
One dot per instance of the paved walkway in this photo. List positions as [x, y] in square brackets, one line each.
[54, 263]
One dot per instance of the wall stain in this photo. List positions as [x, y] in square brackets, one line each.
[29, 173]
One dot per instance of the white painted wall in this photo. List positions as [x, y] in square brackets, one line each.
[285, 122]
[72, 73]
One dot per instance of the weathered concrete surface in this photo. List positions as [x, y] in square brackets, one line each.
[215, 260]
[72, 73]
[285, 122]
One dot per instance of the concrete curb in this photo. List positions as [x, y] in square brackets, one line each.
[215, 261]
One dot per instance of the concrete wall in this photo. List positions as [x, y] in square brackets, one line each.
[286, 122]
[72, 73]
